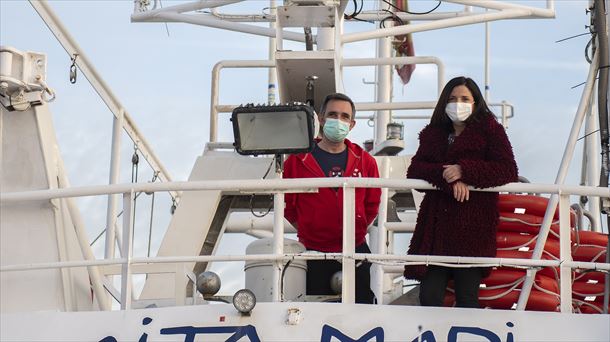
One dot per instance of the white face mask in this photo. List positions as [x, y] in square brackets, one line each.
[458, 111]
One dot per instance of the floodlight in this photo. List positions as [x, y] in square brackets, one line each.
[244, 301]
[281, 129]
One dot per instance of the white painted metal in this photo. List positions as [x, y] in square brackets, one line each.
[216, 86]
[440, 67]
[364, 106]
[560, 178]
[104, 91]
[565, 253]
[82, 238]
[548, 12]
[293, 68]
[378, 242]
[383, 85]
[348, 291]
[377, 15]
[192, 220]
[60, 220]
[285, 185]
[405, 227]
[210, 21]
[449, 261]
[271, 74]
[36, 231]
[325, 38]
[435, 25]
[268, 320]
[591, 155]
[278, 239]
[111, 212]
[187, 7]
[346, 317]
[245, 223]
[128, 215]
[487, 57]
[258, 272]
[360, 106]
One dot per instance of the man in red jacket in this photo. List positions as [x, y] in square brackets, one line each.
[318, 217]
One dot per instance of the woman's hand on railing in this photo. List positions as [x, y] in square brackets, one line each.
[460, 191]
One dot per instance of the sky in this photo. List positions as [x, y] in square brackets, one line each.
[164, 83]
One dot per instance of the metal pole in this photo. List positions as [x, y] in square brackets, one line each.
[127, 249]
[349, 265]
[568, 153]
[187, 7]
[115, 157]
[435, 25]
[81, 235]
[209, 21]
[487, 70]
[565, 254]
[271, 74]
[440, 67]
[384, 83]
[215, 88]
[278, 234]
[377, 274]
[592, 157]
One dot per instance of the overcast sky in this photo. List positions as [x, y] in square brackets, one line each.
[164, 83]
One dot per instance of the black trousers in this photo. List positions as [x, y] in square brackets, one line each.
[434, 284]
[320, 272]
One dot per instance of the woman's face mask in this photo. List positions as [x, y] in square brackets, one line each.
[458, 111]
[335, 130]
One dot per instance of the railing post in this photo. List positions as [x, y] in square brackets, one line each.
[115, 156]
[378, 236]
[127, 249]
[278, 234]
[560, 179]
[565, 254]
[349, 264]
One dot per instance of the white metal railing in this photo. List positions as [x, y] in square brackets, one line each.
[348, 257]
[216, 108]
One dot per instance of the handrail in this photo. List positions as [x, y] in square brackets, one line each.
[409, 259]
[284, 185]
[348, 257]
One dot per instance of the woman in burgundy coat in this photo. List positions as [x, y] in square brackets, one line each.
[462, 146]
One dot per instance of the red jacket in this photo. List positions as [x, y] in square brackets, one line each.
[444, 225]
[319, 216]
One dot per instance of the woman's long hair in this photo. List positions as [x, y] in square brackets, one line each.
[479, 110]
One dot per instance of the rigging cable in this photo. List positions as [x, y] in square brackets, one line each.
[415, 13]
[356, 11]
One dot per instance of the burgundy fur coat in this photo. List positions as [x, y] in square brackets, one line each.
[444, 225]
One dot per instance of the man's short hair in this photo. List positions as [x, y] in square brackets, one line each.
[339, 97]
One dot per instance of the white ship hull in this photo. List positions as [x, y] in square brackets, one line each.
[315, 322]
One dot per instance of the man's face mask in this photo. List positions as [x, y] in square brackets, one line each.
[335, 130]
[458, 111]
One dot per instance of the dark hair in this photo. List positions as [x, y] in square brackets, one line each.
[339, 97]
[480, 110]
